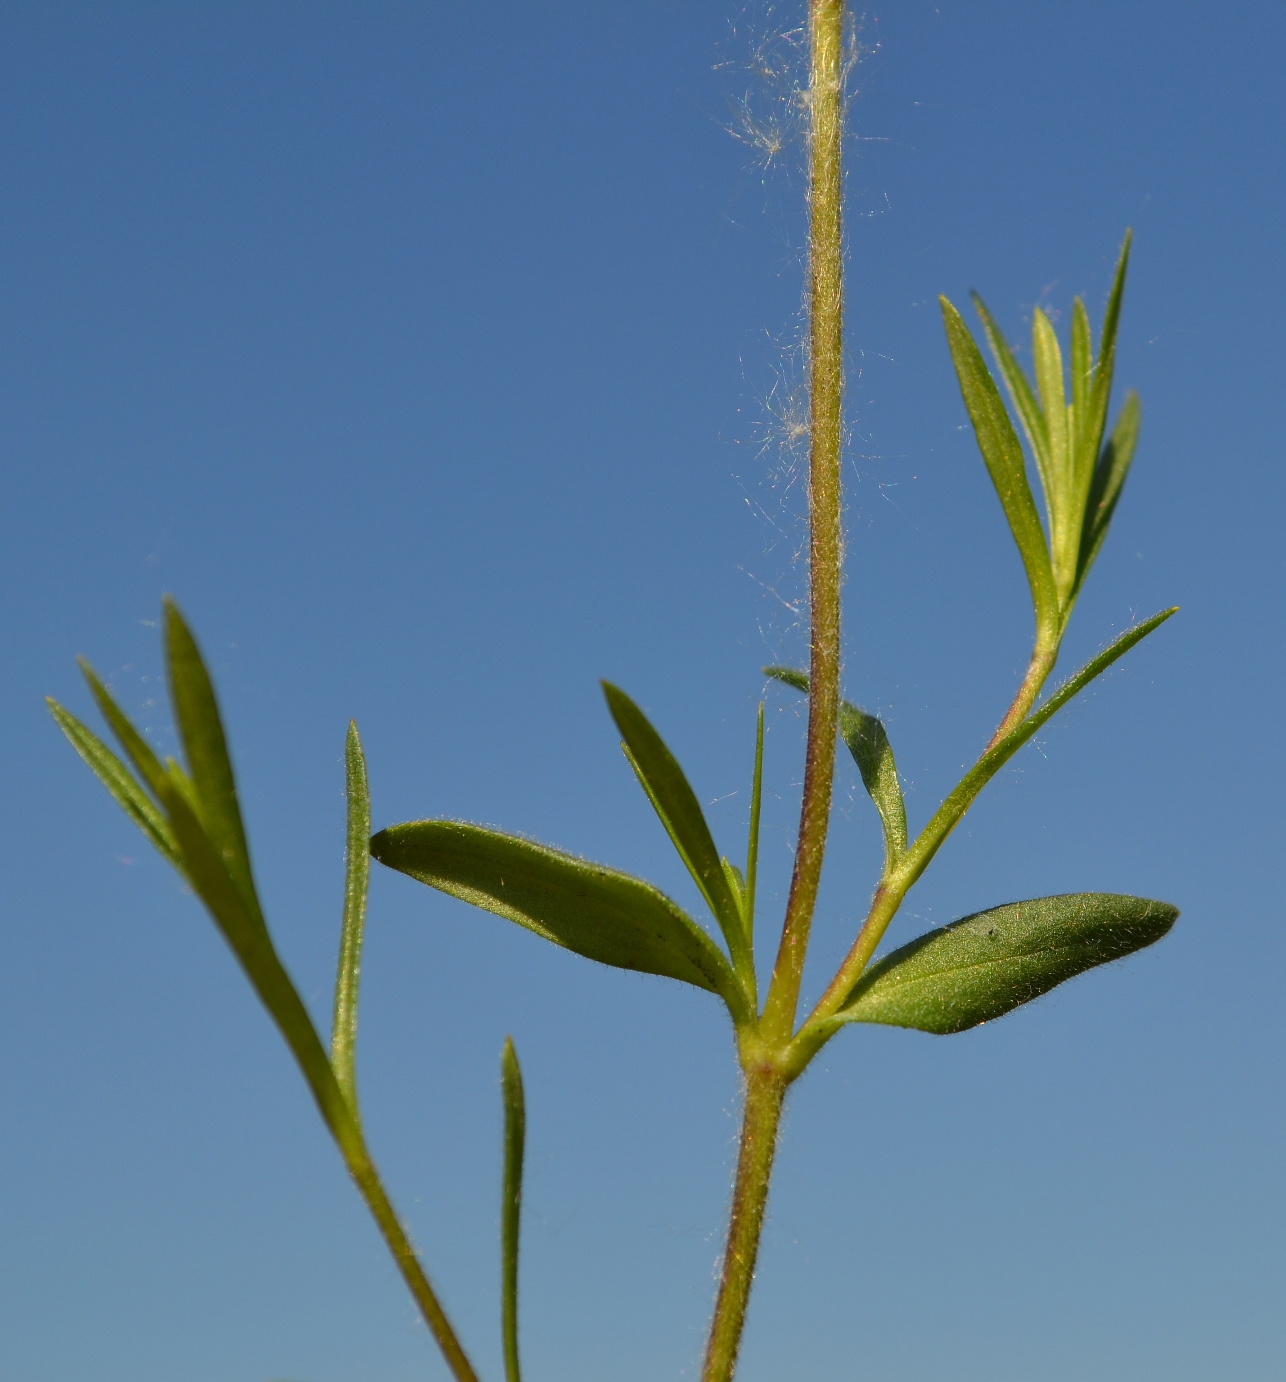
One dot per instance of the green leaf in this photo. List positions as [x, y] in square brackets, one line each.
[597, 912]
[357, 863]
[1091, 435]
[1024, 400]
[1047, 361]
[511, 1204]
[1082, 365]
[676, 804]
[209, 767]
[1003, 455]
[869, 744]
[1109, 479]
[988, 964]
[136, 747]
[116, 777]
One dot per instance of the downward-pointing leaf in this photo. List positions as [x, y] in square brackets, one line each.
[988, 964]
[597, 912]
[1003, 455]
[676, 804]
[209, 767]
[868, 742]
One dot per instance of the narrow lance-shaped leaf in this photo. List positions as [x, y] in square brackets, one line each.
[597, 912]
[1109, 479]
[868, 742]
[1091, 436]
[1024, 400]
[987, 964]
[1047, 362]
[357, 863]
[205, 747]
[137, 749]
[116, 777]
[680, 813]
[511, 1205]
[1003, 455]
[1082, 366]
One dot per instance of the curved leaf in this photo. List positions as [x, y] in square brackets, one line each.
[511, 1205]
[595, 911]
[987, 964]
[868, 742]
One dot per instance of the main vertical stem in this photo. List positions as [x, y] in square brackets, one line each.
[826, 390]
[765, 1090]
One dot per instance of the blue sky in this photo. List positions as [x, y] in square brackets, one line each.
[425, 353]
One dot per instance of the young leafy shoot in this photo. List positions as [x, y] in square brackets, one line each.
[511, 1205]
[192, 816]
[988, 964]
[597, 912]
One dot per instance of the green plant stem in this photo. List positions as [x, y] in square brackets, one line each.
[826, 389]
[1043, 657]
[765, 1091]
[362, 1169]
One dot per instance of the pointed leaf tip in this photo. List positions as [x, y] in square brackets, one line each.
[988, 964]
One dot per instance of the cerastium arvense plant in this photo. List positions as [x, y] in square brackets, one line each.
[946, 981]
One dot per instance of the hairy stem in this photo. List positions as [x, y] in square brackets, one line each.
[826, 388]
[765, 1091]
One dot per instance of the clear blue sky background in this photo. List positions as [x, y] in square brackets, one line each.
[421, 350]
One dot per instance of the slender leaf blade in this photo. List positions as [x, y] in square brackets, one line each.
[357, 863]
[597, 912]
[118, 780]
[1024, 400]
[676, 804]
[206, 749]
[985, 965]
[1003, 455]
[511, 1204]
[1082, 365]
[1104, 369]
[1109, 479]
[136, 747]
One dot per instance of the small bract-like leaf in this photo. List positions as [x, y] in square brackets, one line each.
[597, 912]
[988, 964]
[1003, 455]
[868, 742]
